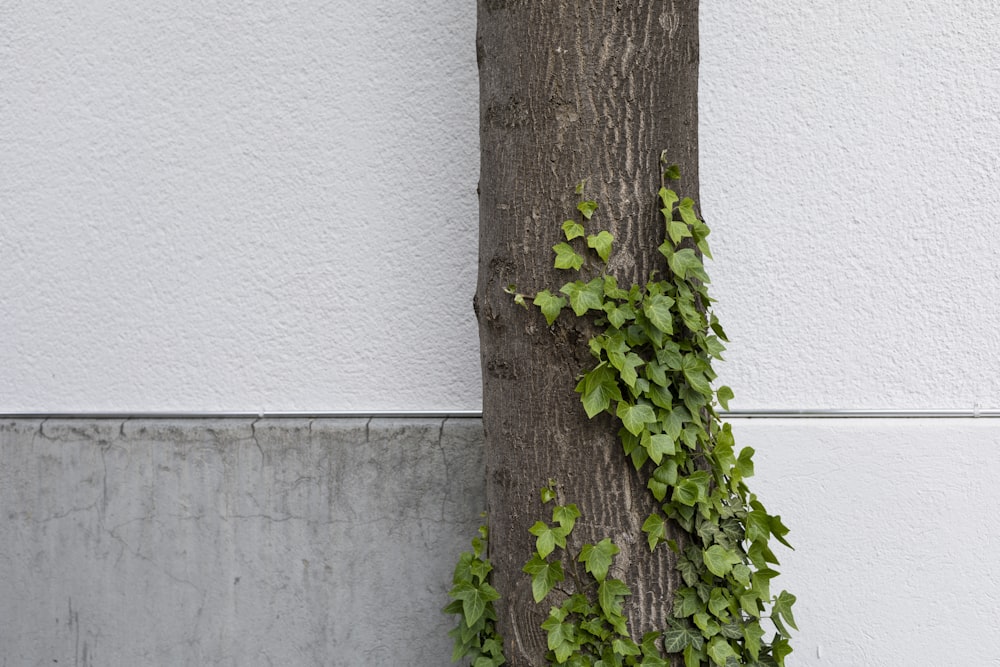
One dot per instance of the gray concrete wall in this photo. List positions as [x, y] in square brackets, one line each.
[240, 542]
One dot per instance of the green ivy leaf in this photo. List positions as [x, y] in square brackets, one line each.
[752, 634]
[695, 465]
[635, 417]
[780, 648]
[757, 526]
[658, 310]
[732, 630]
[685, 262]
[550, 305]
[670, 356]
[744, 463]
[749, 605]
[686, 493]
[616, 316]
[667, 472]
[612, 291]
[719, 651]
[719, 560]
[656, 530]
[718, 604]
[548, 538]
[572, 229]
[714, 347]
[668, 198]
[616, 347]
[544, 575]
[561, 637]
[708, 625]
[686, 209]
[677, 231]
[723, 455]
[548, 494]
[610, 594]
[566, 516]
[601, 242]
[480, 569]
[782, 607]
[762, 582]
[741, 573]
[650, 652]
[678, 637]
[778, 529]
[717, 328]
[599, 387]
[657, 373]
[566, 257]
[597, 557]
[673, 172]
[587, 208]
[660, 396]
[661, 445]
[474, 599]
[687, 603]
[628, 368]
[584, 296]
[693, 657]
[674, 422]
[695, 376]
[658, 489]
[624, 646]
[724, 395]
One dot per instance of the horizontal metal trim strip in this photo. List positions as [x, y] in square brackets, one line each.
[262, 414]
[862, 414]
[760, 413]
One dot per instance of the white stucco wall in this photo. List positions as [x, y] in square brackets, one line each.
[849, 161]
[273, 206]
[237, 206]
[895, 531]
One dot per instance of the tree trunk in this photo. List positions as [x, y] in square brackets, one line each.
[570, 91]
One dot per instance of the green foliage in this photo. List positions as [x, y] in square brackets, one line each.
[653, 372]
[472, 597]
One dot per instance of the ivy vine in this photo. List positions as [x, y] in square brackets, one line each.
[653, 372]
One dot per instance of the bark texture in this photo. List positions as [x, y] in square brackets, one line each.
[571, 90]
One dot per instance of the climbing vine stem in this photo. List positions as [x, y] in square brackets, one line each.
[653, 371]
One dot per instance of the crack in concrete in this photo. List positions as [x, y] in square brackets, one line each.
[446, 497]
[253, 434]
[104, 447]
[41, 431]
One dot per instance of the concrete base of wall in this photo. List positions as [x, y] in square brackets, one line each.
[237, 542]
[331, 542]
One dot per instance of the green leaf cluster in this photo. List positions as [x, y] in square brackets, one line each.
[585, 629]
[652, 371]
[472, 597]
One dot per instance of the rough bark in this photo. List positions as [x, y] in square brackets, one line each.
[570, 90]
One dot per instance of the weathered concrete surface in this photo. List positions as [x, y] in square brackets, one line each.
[284, 542]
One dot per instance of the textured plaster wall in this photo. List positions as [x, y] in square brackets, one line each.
[272, 205]
[331, 542]
[233, 206]
[849, 164]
